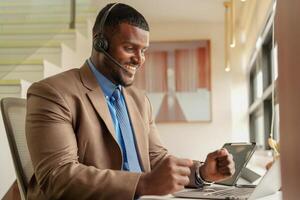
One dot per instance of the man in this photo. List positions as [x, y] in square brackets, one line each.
[91, 135]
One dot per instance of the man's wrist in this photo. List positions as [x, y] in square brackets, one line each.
[140, 189]
[199, 178]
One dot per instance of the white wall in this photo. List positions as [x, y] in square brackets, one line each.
[195, 140]
[239, 95]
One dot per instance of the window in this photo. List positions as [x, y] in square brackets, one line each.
[262, 79]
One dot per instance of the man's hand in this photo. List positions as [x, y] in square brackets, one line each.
[218, 165]
[170, 176]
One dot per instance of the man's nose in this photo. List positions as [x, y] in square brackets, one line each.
[139, 58]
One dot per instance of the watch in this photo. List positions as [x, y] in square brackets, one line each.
[199, 180]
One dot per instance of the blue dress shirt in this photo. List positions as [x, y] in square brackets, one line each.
[108, 88]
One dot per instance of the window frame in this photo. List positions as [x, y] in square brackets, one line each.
[263, 61]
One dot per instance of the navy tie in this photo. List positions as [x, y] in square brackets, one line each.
[126, 131]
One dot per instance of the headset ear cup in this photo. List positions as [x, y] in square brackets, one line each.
[100, 44]
[104, 44]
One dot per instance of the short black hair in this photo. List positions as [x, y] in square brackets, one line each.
[121, 13]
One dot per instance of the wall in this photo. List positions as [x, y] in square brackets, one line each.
[195, 140]
[239, 96]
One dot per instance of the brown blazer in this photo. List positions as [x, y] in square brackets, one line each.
[72, 141]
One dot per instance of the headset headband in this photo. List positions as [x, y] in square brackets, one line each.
[103, 19]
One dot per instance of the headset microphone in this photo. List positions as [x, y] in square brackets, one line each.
[113, 60]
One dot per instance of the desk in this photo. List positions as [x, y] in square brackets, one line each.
[276, 196]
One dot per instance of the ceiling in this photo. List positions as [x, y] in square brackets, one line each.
[169, 11]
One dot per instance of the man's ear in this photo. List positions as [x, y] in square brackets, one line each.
[95, 35]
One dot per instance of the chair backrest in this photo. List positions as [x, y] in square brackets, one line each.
[13, 114]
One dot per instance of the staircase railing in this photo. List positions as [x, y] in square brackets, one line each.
[72, 14]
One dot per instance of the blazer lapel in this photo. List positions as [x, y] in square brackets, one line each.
[138, 129]
[96, 97]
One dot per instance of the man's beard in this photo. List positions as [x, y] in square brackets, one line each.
[120, 81]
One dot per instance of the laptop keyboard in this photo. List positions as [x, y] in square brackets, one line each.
[239, 193]
[231, 193]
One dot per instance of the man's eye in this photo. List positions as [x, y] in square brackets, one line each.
[129, 48]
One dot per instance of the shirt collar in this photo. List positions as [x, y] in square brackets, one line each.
[106, 85]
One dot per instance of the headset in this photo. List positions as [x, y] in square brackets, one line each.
[100, 43]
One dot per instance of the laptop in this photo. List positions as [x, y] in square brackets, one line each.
[269, 184]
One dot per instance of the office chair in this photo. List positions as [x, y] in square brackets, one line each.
[13, 113]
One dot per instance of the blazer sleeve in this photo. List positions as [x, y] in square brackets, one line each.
[53, 149]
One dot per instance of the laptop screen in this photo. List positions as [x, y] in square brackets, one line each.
[241, 153]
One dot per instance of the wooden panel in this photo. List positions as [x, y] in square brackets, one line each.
[288, 37]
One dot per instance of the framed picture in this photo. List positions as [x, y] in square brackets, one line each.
[176, 77]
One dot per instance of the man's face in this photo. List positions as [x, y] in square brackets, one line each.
[127, 45]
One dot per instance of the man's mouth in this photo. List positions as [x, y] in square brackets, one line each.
[131, 67]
